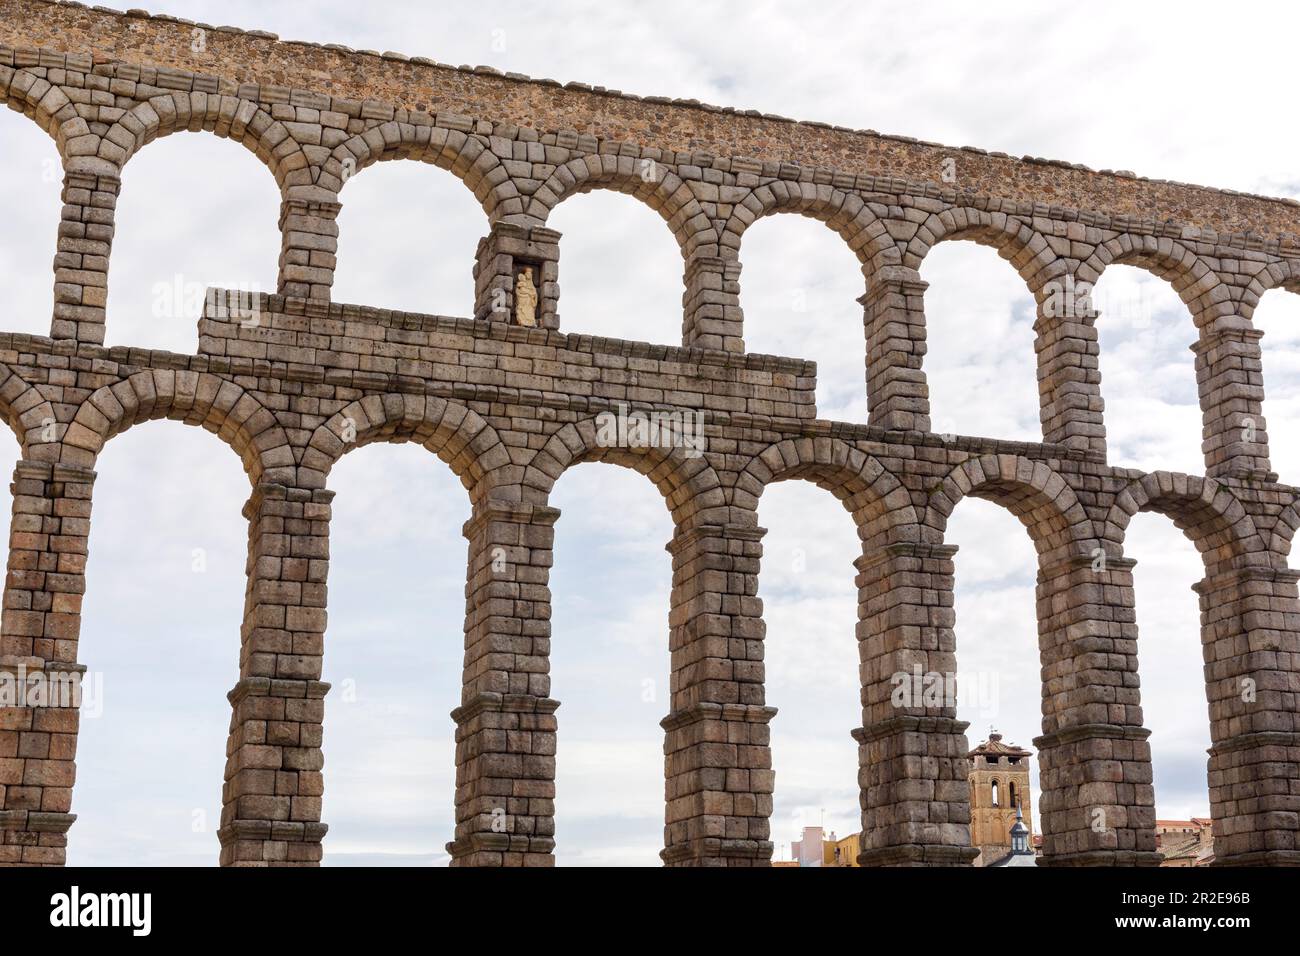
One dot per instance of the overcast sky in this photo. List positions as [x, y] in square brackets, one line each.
[1109, 85]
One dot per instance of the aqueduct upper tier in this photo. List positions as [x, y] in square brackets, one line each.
[292, 380]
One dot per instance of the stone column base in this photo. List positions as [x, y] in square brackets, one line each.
[915, 795]
[505, 781]
[502, 849]
[720, 781]
[714, 851]
[1262, 858]
[919, 854]
[34, 837]
[1102, 858]
[1098, 805]
[271, 843]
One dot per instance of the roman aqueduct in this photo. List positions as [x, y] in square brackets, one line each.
[510, 407]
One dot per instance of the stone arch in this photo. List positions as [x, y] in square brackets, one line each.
[880, 505]
[1276, 274]
[1037, 263]
[1197, 284]
[1031, 490]
[229, 117]
[846, 214]
[43, 103]
[1028, 251]
[1207, 512]
[456, 434]
[688, 482]
[1226, 348]
[466, 157]
[25, 410]
[1284, 529]
[665, 193]
[196, 398]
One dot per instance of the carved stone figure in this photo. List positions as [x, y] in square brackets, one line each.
[526, 298]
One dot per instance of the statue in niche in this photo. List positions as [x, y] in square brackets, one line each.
[526, 298]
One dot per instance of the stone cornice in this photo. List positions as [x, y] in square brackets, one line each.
[921, 550]
[689, 537]
[1264, 738]
[489, 702]
[705, 710]
[276, 687]
[1239, 576]
[1069, 735]
[515, 512]
[909, 723]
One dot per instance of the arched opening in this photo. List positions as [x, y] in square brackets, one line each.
[1148, 373]
[30, 195]
[999, 683]
[811, 661]
[979, 338]
[800, 285]
[610, 666]
[1278, 317]
[11, 453]
[160, 638]
[1171, 664]
[195, 212]
[394, 653]
[620, 269]
[385, 206]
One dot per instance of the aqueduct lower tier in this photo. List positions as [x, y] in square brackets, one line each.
[293, 381]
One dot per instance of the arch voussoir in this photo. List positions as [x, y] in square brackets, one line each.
[845, 213]
[1044, 502]
[1015, 240]
[456, 434]
[664, 192]
[880, 504]
[688, 483]
[1207, 512]
[1195, 281]
[230, 117]
[215, 404]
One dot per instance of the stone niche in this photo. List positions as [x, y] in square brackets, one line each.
[501, 257]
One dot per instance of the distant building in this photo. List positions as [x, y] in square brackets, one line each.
[1022, 852]
[1001, 821]
[843, 852]
[999, 792]
[809, 850]
[817, 849]
[1185, 842]
[1000, 813]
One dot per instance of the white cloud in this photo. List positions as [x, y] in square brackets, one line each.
[800, 285]
[195, 211]
[30, 197]
[407, 234]
[979, 344]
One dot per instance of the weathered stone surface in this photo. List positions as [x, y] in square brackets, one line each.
[292, 382]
